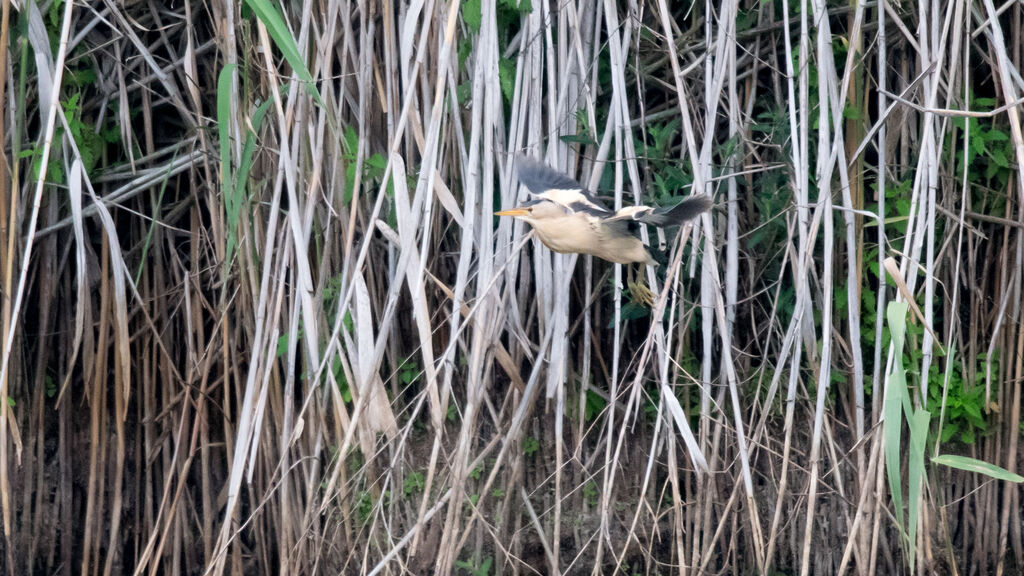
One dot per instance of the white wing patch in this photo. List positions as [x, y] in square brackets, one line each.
[566, 198]
[631, 213]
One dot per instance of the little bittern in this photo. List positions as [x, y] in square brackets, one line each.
[569, 219]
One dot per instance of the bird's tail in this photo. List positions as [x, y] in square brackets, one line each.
[686, 210]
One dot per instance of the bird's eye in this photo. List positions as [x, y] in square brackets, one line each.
[530, 210]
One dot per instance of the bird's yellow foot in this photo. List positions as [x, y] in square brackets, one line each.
[640, 293]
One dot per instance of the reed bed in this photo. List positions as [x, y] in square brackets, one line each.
[259, 318]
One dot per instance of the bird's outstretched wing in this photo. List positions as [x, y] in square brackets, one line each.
[686, 210]
[545, 182]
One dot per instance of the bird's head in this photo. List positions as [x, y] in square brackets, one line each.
[534, 211]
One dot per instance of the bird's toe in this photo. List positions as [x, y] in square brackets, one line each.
[641, 294]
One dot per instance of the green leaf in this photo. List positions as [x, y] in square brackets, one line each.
[745, 20]
[112, 135]
[472, 16]
[530, 445]
[82, 77]
[351, 143]
[868, 296]
[339, 377]
[996, 136]
[999, 156]
[948, 431]
[629, 311]
[902, 208]
[991, 169]
[463, 92]
[248, 149]
[224, 138]
[978, 144]
[374, 166]
[282, 345]
[978, 466]
[465, 48]
[507, 77]
[521, 6]
[71, 106]
[413, 483]
[915, 462]
[54, 15]
[973, 409]
[54, 172]
[284, 41]
[967, 437]
[892, 402]
[409, 372]
[595, 404]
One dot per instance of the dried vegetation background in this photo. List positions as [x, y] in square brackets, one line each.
[258, 317]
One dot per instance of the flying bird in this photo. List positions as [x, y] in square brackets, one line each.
[569, 219]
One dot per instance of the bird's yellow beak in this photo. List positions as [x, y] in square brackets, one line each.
[513, 212]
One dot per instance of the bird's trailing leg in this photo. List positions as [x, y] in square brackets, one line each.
[639, 291]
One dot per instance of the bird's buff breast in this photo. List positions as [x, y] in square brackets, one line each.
[577, 235]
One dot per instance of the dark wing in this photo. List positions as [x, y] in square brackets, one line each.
[623, 227]
[589, 208]
[541, 179]
[685, 211]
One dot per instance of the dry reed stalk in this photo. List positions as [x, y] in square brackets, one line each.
[351, 416]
